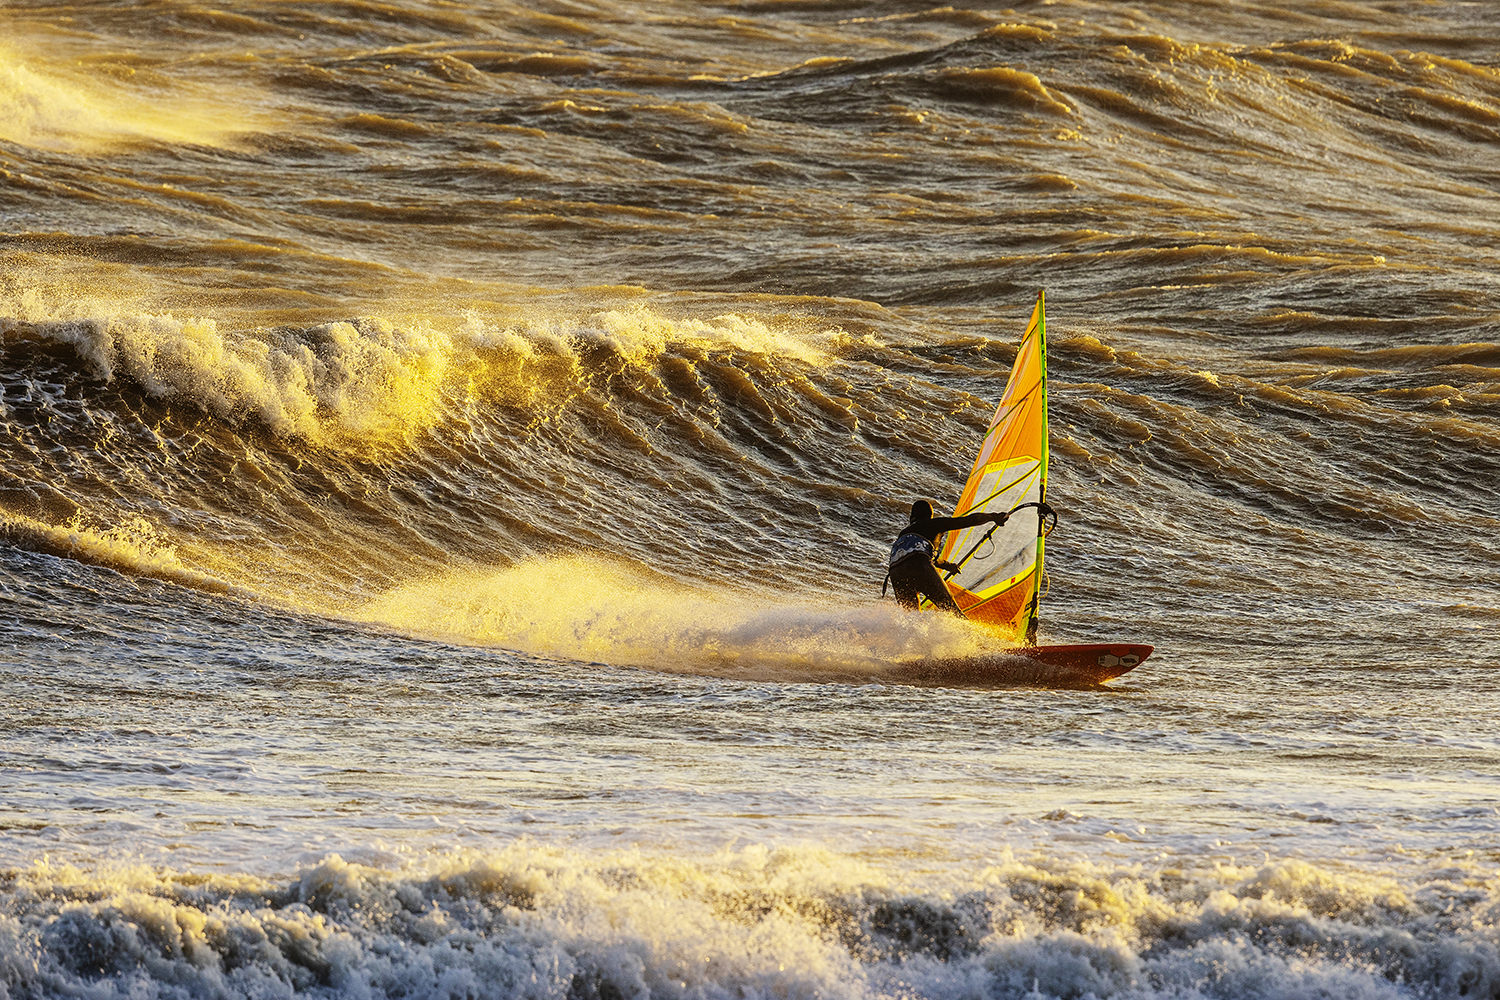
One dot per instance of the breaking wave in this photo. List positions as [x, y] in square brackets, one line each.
[373, 381]
[534, 922]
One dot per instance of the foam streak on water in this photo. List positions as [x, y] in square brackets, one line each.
[448, 452]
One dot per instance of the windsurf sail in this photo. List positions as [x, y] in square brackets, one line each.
[999, 581]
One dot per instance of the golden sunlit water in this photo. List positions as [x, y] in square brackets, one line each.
[450, 452]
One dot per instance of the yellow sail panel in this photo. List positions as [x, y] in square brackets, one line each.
[1001, 568]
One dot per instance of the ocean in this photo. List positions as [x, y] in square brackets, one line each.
[449, 451]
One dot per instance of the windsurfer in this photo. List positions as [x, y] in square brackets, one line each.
[912, 565]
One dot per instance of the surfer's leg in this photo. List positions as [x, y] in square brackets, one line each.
[904, 583]
[931, 584]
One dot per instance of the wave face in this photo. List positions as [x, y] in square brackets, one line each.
[448, 454]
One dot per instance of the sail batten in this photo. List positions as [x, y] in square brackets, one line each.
[999, 582]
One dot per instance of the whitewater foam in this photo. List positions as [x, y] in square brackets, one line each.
[531, 920]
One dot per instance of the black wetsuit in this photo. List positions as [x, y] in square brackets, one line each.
[912, 571]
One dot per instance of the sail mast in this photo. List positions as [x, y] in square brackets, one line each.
[1041, 517]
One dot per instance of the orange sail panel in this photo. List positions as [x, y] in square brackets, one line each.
[1001, 575]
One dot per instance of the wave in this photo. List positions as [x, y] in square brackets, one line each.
[372, 382]
[134, 547]
[384, 468]
[73, 105]
[353, 382]
[376, 450]
[547, 922]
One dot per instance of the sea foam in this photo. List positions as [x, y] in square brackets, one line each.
[536, 921]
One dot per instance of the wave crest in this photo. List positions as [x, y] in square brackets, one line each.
[373, 382]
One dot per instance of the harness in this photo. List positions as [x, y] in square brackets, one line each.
[908, 545]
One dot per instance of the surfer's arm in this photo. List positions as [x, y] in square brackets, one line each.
[938, 525]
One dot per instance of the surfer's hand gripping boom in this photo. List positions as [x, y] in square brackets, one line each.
[1044, 511]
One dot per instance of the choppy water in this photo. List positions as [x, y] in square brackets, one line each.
[449, 451]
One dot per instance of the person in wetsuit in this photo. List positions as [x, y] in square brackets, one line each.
[912, 557]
